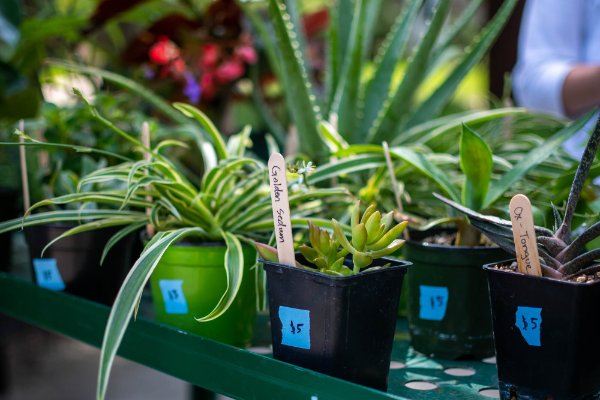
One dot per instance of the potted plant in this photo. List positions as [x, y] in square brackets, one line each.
[335, 311]
[55, 171]
[456, 283]
[72, 265]
[231, 206]
[354, 91]
[543, 325]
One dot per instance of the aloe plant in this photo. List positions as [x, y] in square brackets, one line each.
[373, 236]
[562, 255]
[368, 110]
[231, 205]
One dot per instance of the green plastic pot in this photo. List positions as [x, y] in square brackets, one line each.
[190, 280]
[448, 300]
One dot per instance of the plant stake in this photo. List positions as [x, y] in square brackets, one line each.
[23, 161]
[390, 167]
[528, 260]
[281, 209]
[147, 157]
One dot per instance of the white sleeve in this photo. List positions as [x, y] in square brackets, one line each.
[549, 46]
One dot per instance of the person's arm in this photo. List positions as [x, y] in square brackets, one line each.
[581, 90]
[549, 49]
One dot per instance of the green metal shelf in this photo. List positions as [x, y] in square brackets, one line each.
[235, 372]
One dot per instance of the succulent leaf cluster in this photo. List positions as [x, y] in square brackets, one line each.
[373, 236]
[324, 251]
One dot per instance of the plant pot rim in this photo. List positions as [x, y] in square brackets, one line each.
[185, 243]
[431, 232]
[519, 275]
[445, 246]
[399, 264]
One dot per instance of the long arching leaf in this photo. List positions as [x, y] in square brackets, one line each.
[393, 47]
[95, 225]
[49, 217]
[128, 298]
[298, 90]
[208, 127]
[125, 83]
[347, 94]
[440, 97]
[234, 271]
[533, 158]
[396, 107]
[129, 229]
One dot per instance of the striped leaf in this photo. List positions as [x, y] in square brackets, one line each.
[208, 127]
[234, 272]
[95, 225]
[128, 298]
[49, 217]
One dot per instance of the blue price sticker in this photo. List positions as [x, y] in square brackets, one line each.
[529, 322]
[295, 327]
[172, 291]
[47, 274]
[433, 301]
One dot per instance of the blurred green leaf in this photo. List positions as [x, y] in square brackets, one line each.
[10, 21]
[476, 163]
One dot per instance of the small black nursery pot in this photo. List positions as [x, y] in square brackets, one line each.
[340, 326]
[546, 333]
[72, 264]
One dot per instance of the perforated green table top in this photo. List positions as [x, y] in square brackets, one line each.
[238, 373]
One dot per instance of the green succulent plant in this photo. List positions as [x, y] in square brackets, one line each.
[325, 252]
[373, 236]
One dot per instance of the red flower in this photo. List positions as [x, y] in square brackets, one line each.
[164, 51]
[210, 56]
[178, 66]
[246, 53]
[229, 71]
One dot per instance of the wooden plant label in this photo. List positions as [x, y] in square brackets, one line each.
[528, 259]
[281, 210]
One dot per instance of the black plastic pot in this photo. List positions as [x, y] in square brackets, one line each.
[340, 326]
[546, 333]
[448, 299]
[73, 264]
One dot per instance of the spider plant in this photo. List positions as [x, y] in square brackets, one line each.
[562, 255]
[368, 107]
[232, 205]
